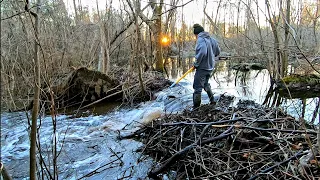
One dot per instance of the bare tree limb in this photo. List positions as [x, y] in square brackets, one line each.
[121, 32]
[17, 14]
[270, 129]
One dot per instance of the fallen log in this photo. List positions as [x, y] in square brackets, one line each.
[298, 86]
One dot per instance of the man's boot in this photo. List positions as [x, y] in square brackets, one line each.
[196, 100]
[210, 95]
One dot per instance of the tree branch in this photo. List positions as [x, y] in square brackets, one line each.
[17, 14]
[269, 130]
[121, 32]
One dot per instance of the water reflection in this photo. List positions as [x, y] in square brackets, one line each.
[249, 85]
[305, 106]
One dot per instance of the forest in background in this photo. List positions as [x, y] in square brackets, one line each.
[128, 36]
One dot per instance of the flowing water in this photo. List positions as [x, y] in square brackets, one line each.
[88, 143]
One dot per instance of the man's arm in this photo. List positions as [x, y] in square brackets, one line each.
[201, 51]
[215, 47]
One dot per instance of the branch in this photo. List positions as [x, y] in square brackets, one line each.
[304, 56]
[134, 134]
[175, 7]
[13, 15]
[26, 10]
[269, 130]
[145, 19]
[177, 155]
[121, 32]
[223, 122]
[96, 170]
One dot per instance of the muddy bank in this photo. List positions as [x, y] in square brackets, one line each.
[248, 141]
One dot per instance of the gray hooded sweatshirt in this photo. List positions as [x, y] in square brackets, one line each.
[206, 49]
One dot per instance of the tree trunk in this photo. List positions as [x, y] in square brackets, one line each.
[35, 109]
[315, 21]
[286, 40]
[138, 47]
[104, 59]
[76, 12]
[276, 64]
[157, 33]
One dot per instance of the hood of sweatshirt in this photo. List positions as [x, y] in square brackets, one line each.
[204, 35]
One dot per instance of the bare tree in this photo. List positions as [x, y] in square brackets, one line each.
[137, 51]
[36, 101]
[104, 60]
[286, 38]
[275, 65]
[76, 12]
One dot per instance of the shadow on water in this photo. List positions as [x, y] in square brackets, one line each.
[250, 85]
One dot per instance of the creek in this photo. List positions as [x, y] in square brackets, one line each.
[87, 141]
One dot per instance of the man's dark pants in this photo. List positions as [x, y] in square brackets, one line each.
[200, 82]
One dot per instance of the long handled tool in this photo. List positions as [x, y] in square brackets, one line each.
[184, 75]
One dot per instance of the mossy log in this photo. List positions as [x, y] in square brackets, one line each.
[302, 86]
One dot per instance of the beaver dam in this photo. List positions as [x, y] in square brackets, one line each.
[223, 142]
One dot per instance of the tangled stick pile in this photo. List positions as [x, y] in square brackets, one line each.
[246, 142]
